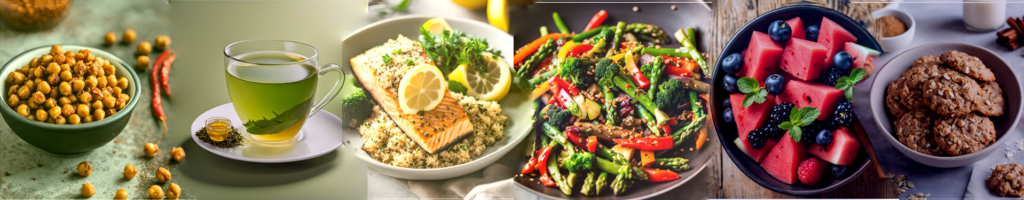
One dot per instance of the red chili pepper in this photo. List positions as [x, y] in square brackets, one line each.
[158, 109]
[165, 70]
[659, 175]
[651, 144]
[597, 20]
[573, 134]
[533, 46]
[592, 143]
[542, 166]
[562, 84]
[579, 50]
[639, 77]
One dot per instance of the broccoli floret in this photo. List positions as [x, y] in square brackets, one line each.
[671, 95]
[579, 162]
[572, 70]
[558, 117]
[605, 71]
[357, 107]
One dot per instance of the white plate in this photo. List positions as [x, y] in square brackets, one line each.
[322, 135]
[516, 106]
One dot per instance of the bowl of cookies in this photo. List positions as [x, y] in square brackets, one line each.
[68, 99]
[945, 104]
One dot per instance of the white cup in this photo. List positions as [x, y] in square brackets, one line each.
[984, 15]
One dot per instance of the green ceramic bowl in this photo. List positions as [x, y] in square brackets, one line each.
[69, 139]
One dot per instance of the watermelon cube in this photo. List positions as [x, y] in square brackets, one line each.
[843, 149]
[863, 57]
[749, 118]
[797, 26]
[761, 58]
[803, 59]
[756, 154]
[803, 94]
[783, 160]
[834, 37]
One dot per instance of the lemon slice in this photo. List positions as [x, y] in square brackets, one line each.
[490, 86]
[436, 25]
[421, 89]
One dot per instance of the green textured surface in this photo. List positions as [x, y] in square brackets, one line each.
[35, 174]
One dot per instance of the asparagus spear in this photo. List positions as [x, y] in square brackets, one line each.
[689, 45]
[648, 30]
[543, 51]
[623, 181]
[556, 175]
[674, 164]
[601, 183]
[619, 29]
[652, 124]
[657, 67]
[631, 90]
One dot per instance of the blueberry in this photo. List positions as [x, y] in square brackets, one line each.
[780, 31]
[730, 84]
[732, 63]
[824, 137]
[842, 61]
[727, 115]
[727, 103]
[775, 84]
[812, 32]
[839, 171]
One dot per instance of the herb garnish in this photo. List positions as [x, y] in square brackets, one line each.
[755, 92]
[846, 83]
[233, 139]
[799, 118]
[386, 58]
[450, 48]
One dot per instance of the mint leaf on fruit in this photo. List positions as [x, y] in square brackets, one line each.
[799, 118]
[755, 93]
[846, 83]
[747, 84]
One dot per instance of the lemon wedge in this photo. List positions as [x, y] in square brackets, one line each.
[421, 89]
[491, 85]
[436, 25]
[471, 4]
[497, 14]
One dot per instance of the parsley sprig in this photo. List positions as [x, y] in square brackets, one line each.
[753, 89]
[449, 48]
[846, 83]
[799, 118]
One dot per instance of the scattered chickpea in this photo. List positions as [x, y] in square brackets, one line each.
[144, 48]
[109, 39]
[121, 194]
[151, 149]
[177, 153]
[173, 191]
[84, 168]
[163, 175]
[129, 172]
[142, 63]
[129, 36]
[88, 190]
[162, 42]
[155, 192]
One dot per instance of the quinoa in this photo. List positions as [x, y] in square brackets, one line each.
[385, 142]
[392, 59]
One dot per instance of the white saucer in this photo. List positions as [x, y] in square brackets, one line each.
[322, 135]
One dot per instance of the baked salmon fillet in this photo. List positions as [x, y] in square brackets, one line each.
[381, 68]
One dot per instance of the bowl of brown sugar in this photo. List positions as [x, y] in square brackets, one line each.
[897, 28]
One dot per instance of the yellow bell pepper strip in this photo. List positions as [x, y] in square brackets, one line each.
[565, 49]
[540, 90]
[646, 158]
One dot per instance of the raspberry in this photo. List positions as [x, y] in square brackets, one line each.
[757, 138]
[810, 170]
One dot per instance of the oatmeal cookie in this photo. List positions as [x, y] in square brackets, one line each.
[926, 61]
[911, 91]
[951, 94]
[1007, 180]
[898, 93]
[992, 102]
[914, 130]
[968, 64]
[965, 134]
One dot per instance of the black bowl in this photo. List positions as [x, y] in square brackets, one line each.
[728, 133]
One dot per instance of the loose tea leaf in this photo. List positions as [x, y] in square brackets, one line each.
[233, 139]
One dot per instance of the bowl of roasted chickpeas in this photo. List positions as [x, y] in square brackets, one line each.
[67, 99]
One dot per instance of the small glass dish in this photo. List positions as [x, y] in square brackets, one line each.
[218, 128]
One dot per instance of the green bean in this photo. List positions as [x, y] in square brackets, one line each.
[543, 30]
[559, 23]
[588, 34]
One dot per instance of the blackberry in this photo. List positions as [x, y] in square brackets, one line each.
[757, 138]
[843, 115]
[809, 132]
[831, 76]
[780, 113]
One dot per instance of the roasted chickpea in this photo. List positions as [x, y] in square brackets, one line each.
[97, 94]
[83, 110]
[64, 88]
[56, 49]
[52, 68]
[32, 104]
[24, 92]
[59, 59]
[85, 97]
[67, 110]
[73, 98]
[84, 168]
[66, 76]
[67, 66]
[144, 48]
[151, 149]
[99, 114]
[129, 36]
[108, 102]
[155, 192]
[129, 172]
[38, 72]
[173, 191]
[55, 112]
[111, 111]
[13, 91]
[122, 100]
[78, 68]
[54, 93]
[53, 79]
[101, 82]
[23, 110]
[13, 101]
[38, 97]
[97, 105]
[31, 117]
[88, 190]
[50, 103]
[33, 63]
[121, 194]
[122, 83]
[16, 78]
[177, 153]
[96, 69]
[41, 115]
[89, 57]
[46, 59]
[142, 63]
[51, 121]
[80, 56]
[43, 87]
[111, 80]
[162, 42]
[70, 55]
[74, 119]
[109, 39]
[91, 82]
[60, 120]
[86, 118]
[163, 175]
[109, 69]
[77, 85]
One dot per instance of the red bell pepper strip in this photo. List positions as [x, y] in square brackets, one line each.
[679, 66]
[659, 175]
[555, 81]
[537, 70]
[531, 165]
[564, 99]
[651, 144]
[672, 70]
[639, 77]
[673, 122]
[542, 166]
[666, 129]
[592, 143]
[573, 134]
[533, 46]
[597, 20]
[579, 50]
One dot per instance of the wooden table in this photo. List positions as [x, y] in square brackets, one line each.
[726, 180]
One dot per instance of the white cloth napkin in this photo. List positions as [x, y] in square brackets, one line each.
[493, 182]
[977, 187]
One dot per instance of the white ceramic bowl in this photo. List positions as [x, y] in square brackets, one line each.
[516, 106]
[901, 41]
